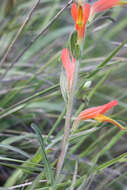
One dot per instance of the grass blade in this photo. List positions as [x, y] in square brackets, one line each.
[48, 169]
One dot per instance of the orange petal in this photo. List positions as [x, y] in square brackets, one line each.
[65, 58]
[109, 105]
[74, 11]
[93, 112]
[103, 118]
[86, 12]
[103, 5]
[68, 65]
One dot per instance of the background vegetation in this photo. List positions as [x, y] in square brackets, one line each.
[30, 95]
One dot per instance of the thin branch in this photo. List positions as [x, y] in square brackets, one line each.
[36, 38]
[18, 33]
[74, 176]
[103, 18]
[25, 184]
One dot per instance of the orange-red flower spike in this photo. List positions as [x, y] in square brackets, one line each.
[69, 66]
[97, 113]
[80, 15]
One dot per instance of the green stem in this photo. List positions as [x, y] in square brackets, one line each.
[65, 141]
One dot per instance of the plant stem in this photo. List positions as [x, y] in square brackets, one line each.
[65, 141]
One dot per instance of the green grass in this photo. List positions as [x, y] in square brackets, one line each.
[30, 95]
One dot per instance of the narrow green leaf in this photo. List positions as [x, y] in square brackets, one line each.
[113, 161]
[26, 170]
[12, 148]
[18, 174]
[20, 105]
[107, 60]
[48, 170]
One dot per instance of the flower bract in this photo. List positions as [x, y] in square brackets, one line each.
[69, 65]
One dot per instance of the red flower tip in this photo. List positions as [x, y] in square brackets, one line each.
[69, 65]
[102, 5]
[97, 113]
[80, 15]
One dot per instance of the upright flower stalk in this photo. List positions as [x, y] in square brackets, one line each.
[81, 14]
[71, 67]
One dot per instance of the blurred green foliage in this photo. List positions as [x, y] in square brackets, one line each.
[30, 93]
